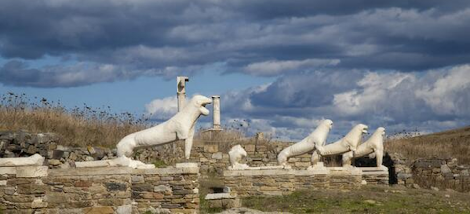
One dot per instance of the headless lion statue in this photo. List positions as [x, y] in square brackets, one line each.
[373, 147]
[236, 154]
[179, 127]
[306, 145]
[345, 144]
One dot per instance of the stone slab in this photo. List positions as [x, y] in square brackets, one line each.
[31, 171]
[258, 172]
[91, 171]
[117, 162]
[7, 170]
[215, 196]
[344, 171]
[312, 172]
[34, 160]
[184, 165]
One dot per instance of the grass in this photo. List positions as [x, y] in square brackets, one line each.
[80, 126]
[83, 126]
[448, 144]
[369, 199]
[160, 164]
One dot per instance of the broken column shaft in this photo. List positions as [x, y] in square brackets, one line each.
[216, 112]
[181, 91]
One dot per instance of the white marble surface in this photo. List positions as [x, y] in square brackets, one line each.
[373, 147]
[120, 161]
[317, 137]
[236, 154]
[34, 160]
[345, 144]
[179, 127]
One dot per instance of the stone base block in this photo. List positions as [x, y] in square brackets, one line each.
[375, 175]
[121, 161]
[31, 171]
[222, 200]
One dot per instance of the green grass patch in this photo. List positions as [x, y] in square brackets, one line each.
[159, 164]
[366, 200]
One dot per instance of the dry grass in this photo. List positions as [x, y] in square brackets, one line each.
[76, 127]
[454, 143]
[84, 125]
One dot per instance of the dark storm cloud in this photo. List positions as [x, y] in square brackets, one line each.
[428, 101]
[165, 37]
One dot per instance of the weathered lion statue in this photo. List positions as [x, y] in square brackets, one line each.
[345, 144]
[236, 154]
[318, 136]
[179, 127]
[374, 146]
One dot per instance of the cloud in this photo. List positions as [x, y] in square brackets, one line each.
[162, 109]
[266, 38]
[292, 106]
[449, 95]
[274, 68]
[17, 73]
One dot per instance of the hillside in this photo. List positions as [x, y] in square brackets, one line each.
[447, 144]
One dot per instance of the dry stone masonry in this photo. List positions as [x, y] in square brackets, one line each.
[268, 181]
[99, 190]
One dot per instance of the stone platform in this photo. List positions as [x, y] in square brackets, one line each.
[37, 189]
[375, 175]
[282, 181]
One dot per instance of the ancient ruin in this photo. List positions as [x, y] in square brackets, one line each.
[181, 91]
[102, 182]
[216, 113]
[179, 127]
[308, 144]
[345, 144]
[236, 154]
[373, 147]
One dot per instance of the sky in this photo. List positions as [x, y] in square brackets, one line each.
[280, 67]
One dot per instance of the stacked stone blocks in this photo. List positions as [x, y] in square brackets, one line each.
[98, 190]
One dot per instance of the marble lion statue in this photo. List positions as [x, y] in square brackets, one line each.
[236, 154]
[318, 136]
[374, 147]
[179, 127]
[345, 144]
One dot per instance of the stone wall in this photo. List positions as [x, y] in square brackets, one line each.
[284, 181]
[99, 190]
[50, 146]
[441, 173]
[214, 158]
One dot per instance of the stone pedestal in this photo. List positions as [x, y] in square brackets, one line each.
[375, 175]
[224, 200]
[282, 181]
[35, 189]
[319, 167]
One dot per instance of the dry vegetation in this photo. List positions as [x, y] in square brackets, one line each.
[448, 144]
[84, 125]
[79, 126]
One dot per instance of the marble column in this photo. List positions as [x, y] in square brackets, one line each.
[216, 112]
[181, 91]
